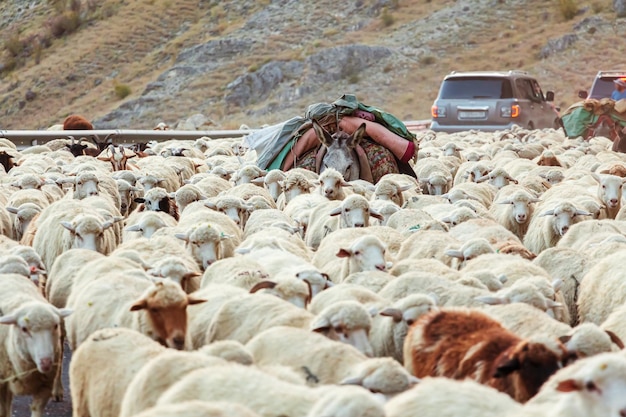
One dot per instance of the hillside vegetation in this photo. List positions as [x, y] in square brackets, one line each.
[135, 63]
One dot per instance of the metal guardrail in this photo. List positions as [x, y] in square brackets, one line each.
[26, 138]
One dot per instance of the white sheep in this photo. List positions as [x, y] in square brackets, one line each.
[145, 224]
[426, 244]
[327, 361]
[242, 317]
[127, 194]
[22, 216]
[208, 242]
[353, 211]
[187, 194]
[157, 375]
[261, 219]
[300, 207]
[273, 182]
[269, 396]
[526, 321]
[513, 208]
[446, 397]
[497, 177]
[390, 326]
[29, 331]
[68, 224]
[602, 290]
[296, 182]
[103, 366]
[156, 309]
[236, 208]
[570, 266]
[276, 237]
[387, 189]
[610, 192]
[197, 408]
[332, 185]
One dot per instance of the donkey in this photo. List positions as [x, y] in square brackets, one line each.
[339, 151]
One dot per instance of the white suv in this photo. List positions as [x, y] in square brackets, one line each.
[492, 100]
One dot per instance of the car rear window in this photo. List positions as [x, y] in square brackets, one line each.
[476, 88]
[603, 87]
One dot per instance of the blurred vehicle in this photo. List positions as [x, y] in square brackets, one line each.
[602, 86]
[492, 100]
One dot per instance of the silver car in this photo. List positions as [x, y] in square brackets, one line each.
[492, 100]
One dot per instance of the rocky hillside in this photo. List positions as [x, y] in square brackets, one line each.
[135, 63]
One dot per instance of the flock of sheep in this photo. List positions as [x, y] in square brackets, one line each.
[187, 281]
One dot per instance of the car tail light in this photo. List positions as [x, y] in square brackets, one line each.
[513, 111]
[437, 112]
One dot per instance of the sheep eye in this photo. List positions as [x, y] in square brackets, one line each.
[590, 386]
[24, 329]
[357, 253]
[410, 322]
[154, 310]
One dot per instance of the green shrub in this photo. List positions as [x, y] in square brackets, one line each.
[14, 45]
[387, 18]
[597, 7]
[8, 64]
[64, 24]
[427, 60]
[568, 9]
[122, 91]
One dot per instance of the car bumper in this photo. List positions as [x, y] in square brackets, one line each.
[436, 127]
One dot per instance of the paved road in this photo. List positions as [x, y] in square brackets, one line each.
[21, 404]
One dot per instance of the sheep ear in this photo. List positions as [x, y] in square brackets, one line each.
[492, 300]
[553, 304]
[224, 236]
[455, 253]
[595, 177]
[352, 380]
[504, 202]
[191, 300]
[565, 338]
[12, 210]
[64, 312]
[320, 325]
[336, 211]
[547, 213]
[569, 385]
[262, 285]
[506, 366]
[557, 284]
[258, 181]
[69, 226]
[139, 305]
[210, 205]
[392, 312]
[8, 319]
[404, 188]
[615, 339]
[133, 228]
[375, 214]
[182, 236]
[343, 253]
[243, 251]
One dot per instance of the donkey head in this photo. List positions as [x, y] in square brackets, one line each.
[340, 151]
